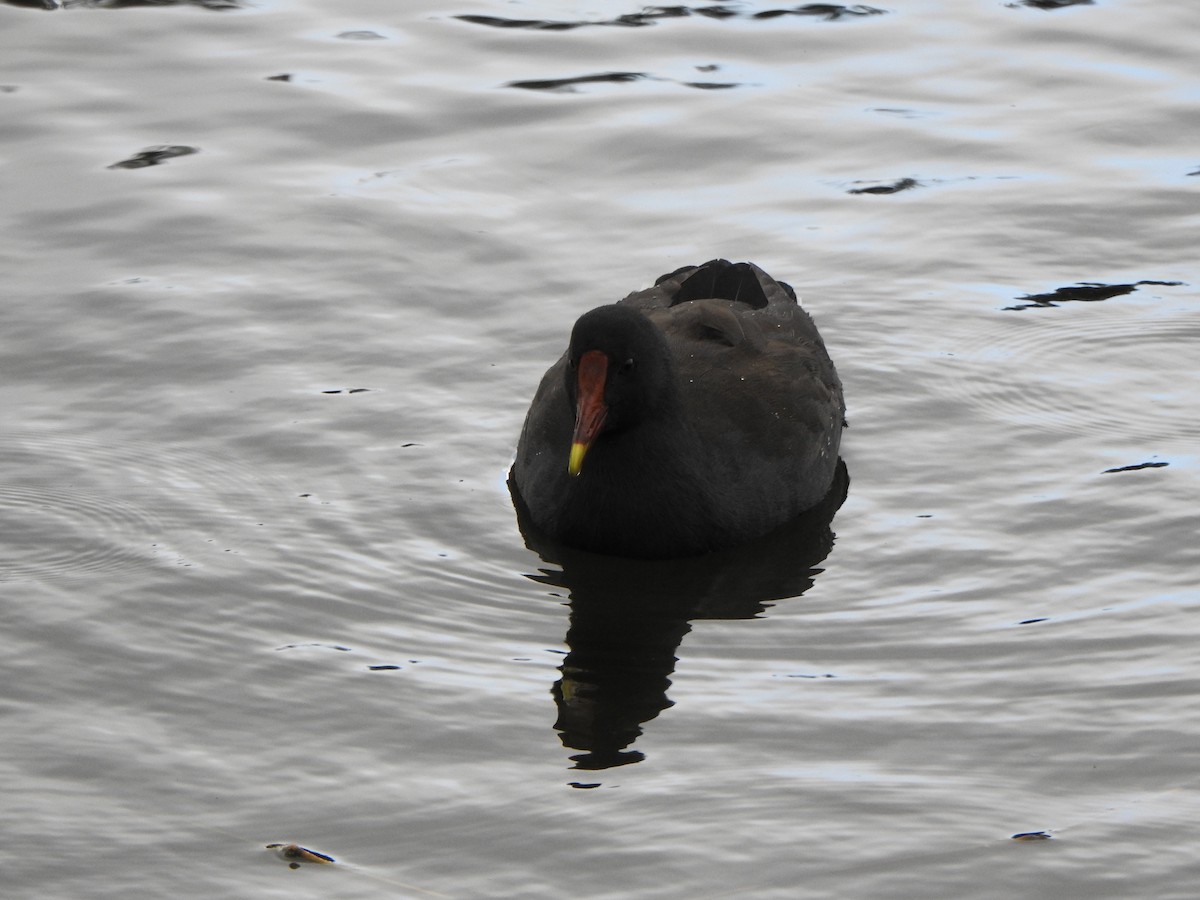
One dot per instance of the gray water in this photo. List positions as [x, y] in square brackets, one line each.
[260, 577]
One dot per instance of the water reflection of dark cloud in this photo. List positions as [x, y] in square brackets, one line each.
[828, 12]
[903, 184]
[122, 4]
[153, 156]
[1085, 292]
[1049, 4]
[568, 84]
[628, 618]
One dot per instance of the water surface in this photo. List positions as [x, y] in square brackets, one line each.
[280, 279]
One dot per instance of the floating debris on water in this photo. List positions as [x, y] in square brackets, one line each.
[1032, 836]
[295, 854]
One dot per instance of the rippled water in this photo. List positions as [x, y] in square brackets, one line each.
[280, 279]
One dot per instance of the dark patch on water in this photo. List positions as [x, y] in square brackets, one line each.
[314, 644]
[594, 762]
[121, 4]
[904, 184]
[1049, 4]
[899, 111]
[1084, 292]
[829, 12]
[629, 618]
[826, 675]
[1134, 468]
[567, 84]
[629, 20]
[154, 156]
[1033, 621]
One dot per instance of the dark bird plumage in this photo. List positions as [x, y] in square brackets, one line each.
[697, 414]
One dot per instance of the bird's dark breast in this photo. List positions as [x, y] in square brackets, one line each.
[628, 510]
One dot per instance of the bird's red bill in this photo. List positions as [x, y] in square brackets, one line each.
[589, 406]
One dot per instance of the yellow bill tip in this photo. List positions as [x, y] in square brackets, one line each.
[575, 464]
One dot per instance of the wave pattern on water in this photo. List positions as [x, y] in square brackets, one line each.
[79, 506]
[247, 610]
[52, 532]
[1125, 376]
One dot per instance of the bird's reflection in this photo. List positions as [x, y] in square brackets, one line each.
[629, 616]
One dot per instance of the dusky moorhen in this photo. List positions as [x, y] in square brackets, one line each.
[691, 416]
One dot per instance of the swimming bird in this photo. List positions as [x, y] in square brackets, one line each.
[695, 415]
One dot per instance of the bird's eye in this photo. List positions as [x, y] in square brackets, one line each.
[627, 366]
[571, 364]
